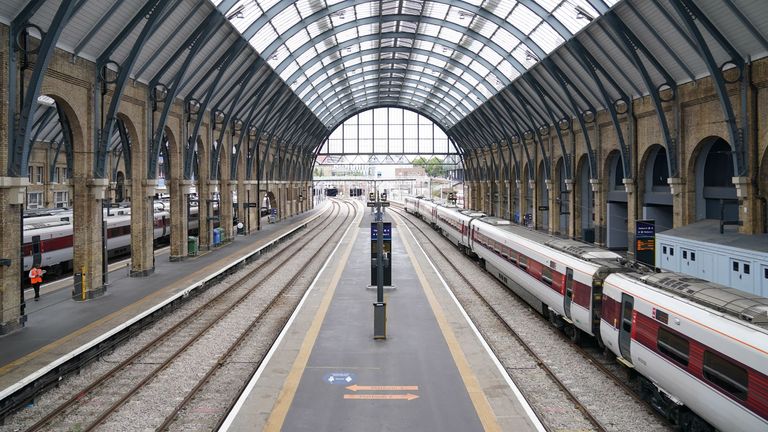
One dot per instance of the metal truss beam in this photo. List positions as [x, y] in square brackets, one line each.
[20, 128]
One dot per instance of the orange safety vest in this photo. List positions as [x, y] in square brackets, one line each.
[35, 275]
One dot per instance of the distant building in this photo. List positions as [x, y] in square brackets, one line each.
[410, 172]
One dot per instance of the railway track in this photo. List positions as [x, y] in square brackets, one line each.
[594, 357]
[256, 292]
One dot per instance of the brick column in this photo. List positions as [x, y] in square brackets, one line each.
[554, 207]
[179, 191]
[677, 189]
[599, 213]
[225, 209]
[631, 187]
[12, 307]
[750, 208]
[87, 243]
[571, 208]
[205, 211]
[142, 227]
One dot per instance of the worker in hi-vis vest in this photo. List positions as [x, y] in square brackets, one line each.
[36, 279]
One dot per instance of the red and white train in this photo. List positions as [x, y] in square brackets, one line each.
[701, 349]
[48, 238]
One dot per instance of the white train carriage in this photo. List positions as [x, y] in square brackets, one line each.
[428, 211]
[51, 243]
[555, 276]
[698, 343]
[454, 223]
[412, 205]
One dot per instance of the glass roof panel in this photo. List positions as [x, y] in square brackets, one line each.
[521, 37]
[524, 19]
[286, 19]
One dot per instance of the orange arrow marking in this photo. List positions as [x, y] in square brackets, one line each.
[381, 396]
[356, 387]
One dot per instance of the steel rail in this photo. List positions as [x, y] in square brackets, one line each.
[252, 326]
[39, 425]
[539, 361]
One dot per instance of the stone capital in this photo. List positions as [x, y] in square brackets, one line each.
[596, 184]
[16, 189]
[743, 186]
[232, 183]
[676, 185]
[150, 186]
[629, 185]
[98, 187]
[548, 184]
[532, 184]
[569, 185]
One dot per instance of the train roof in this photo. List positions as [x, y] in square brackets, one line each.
[571, 247]
[708, 231]
[43, 225]
[730, 301]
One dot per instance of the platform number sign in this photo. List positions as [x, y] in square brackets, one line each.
[452, 198]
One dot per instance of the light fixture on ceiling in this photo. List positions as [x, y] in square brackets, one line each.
[274, 57]
[46, 101]
[529, 56]
[236, 13]
[349, 49]
[583, 14]
[461, 15]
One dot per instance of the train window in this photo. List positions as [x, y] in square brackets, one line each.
[685, 254]
[673, 346]
[765, 273]
[693, 256]
[746, 268]
[726, 375]
[664, 250]
[627, 314]
[671, 251]
[735, 266]
[523, 261]
[546, 275]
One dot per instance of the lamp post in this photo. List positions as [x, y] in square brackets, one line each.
[378, 202]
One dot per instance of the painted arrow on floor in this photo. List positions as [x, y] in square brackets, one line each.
[356, 387]
[382, 396]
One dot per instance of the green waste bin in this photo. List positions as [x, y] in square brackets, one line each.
[192, 246]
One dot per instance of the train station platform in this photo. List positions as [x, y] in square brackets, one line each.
[59, 329]
[326, 372]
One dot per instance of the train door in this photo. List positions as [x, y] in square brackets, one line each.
[568, 297]
[688, 262]
[741, 275]
[625, 332]
[37, 253]
[764, 281]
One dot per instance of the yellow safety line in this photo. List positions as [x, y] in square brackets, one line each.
[475, 391]
[184, 282]
[291, 384]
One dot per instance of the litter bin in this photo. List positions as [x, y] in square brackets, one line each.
[192, 246]
[216, 236]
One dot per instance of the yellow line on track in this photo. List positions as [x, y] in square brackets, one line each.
[475, 391]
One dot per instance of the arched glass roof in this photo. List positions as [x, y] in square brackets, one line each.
[443, 56]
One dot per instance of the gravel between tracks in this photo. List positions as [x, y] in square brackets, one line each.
[607, 401]
[165, 387]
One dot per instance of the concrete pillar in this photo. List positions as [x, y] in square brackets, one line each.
[599, 213]
[571, 209]
[677, 189]
[142, 227]
[88, 249]
[12, 307]
[631, 187]
[750, 207]
[179, 191]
